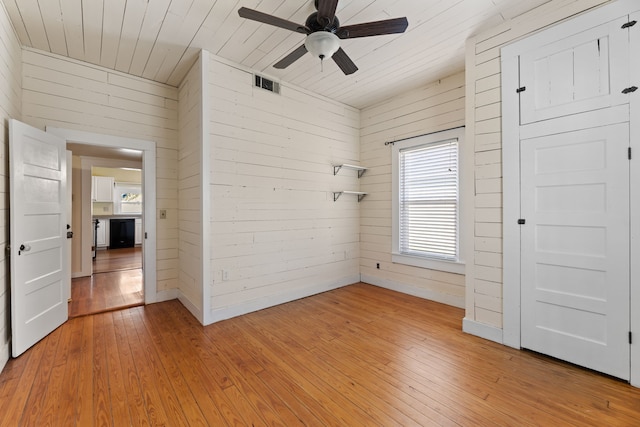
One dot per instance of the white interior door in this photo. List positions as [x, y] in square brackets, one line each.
[69, 216]
[38, 200]
[575, 247]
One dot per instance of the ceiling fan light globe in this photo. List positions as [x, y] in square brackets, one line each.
[322, 44]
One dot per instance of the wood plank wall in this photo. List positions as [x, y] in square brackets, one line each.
[190, 190]
[66, 93]
[277, 233]
[10, 107]
[435, 107]
[484, 144]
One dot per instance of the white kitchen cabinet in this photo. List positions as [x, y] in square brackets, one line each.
[138, 232]
[102, 233]
[102, 188]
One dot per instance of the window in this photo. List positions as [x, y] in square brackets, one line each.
[128, 198]
[426, 207]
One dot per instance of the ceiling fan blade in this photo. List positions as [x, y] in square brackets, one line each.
[291, 58]
[376, 28]
[344, 62]
[326, 11]
[265, 18]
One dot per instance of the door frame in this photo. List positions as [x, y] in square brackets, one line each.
[511, 328]
[149, 243]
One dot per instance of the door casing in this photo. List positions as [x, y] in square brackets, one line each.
[148, 149]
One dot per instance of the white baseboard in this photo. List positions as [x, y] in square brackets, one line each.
[167, 295]
[5, 354]
[453, 300]
[481, 330]
[189, 305]
[273, 300]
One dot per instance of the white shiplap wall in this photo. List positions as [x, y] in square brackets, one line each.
[66, 93]
[10, 108]
[276, 232]
[190, 252]
[484, 144]
[435, 107]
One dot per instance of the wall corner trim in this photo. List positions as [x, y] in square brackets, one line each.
[193, 308]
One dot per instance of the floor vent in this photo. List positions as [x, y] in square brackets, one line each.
[267, 84]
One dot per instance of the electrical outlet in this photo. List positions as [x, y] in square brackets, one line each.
[163, 214]
[378, 266]
[225, 274]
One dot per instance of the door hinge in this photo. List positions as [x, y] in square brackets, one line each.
[628, 24]
[630, 89]
[630, 336]
[629, 153]
[521, 89]
[521, 221]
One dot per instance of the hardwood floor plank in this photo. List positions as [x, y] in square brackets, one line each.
[61, 389]
[84, 393]
[358, 355]
[358, 374]
[280, 358]
[162, 339]
[208, 387]
[266, 404]
[15, 406]
[101, 392]
[134, 396]
[151, 393]
[34, 404]
[117, 390]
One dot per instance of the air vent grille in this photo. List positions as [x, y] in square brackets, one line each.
[267, 84]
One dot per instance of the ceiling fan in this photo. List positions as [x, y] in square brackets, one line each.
[324, 32]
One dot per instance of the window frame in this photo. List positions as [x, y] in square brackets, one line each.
[433, 263]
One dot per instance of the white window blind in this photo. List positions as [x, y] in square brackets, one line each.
[428, 200]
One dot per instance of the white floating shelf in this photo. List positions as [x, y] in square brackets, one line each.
[361, 170]
[337, 194]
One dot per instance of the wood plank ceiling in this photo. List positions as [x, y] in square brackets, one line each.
[160, 39]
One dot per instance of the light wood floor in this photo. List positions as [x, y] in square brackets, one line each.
[117, 259]
[356, 356]
[116, 283]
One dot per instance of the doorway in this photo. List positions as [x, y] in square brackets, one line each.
[112, 151]
[115, 278]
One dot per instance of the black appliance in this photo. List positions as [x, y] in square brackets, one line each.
[122, 233]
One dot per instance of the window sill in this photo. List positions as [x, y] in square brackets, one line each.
[430, 263]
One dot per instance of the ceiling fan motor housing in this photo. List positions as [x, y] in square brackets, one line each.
[314, 24]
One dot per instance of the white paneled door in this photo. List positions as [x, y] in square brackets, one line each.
[575, 246]
[575, 197]
[39, 274]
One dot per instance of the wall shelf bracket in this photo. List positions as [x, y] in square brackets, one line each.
[337, 194]
[361, 170]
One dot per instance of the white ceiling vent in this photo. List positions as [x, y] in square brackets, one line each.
[267, 84]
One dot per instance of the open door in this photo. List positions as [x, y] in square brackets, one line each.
[37, 187]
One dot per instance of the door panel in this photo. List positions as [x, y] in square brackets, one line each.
[575, 247]
[38, 234]
[583, 72]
